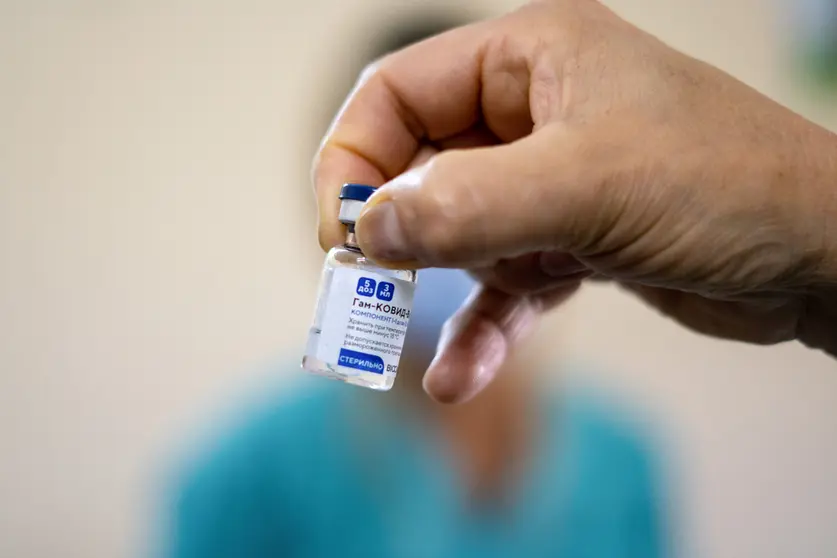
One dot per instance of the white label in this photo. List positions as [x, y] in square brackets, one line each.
[365, 321]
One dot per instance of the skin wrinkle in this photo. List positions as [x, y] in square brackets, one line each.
[478, 63]
[656, 259]
[514, 318]
[543, 88]
[650, 227]
[377, 165]
[623, 189]
[527, 194]
[747, 259]
[574, 65]
[499, 65]
[480, 55]
[527, 275]
[410, 119]
[593, 190]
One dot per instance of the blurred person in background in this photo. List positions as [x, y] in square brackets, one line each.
[331, 470]
[523, 469]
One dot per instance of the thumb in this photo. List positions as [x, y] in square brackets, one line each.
[469, 208]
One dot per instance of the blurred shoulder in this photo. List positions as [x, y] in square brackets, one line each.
[236, 483]
[273, 424]
[236, 487]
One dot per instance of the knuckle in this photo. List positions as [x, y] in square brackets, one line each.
[371, 69]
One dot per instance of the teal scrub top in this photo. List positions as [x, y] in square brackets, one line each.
[325, 471]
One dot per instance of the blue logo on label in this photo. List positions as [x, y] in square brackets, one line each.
[361, 361]
[365, 286]
[386, 291]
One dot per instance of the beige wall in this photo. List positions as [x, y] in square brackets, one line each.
[153, 162]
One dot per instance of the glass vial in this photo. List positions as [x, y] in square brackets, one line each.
[362, 310]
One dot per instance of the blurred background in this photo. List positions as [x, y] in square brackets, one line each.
[157, 254]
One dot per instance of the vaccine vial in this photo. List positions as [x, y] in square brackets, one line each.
[362, 310]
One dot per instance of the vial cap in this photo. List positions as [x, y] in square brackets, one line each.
[357, 192]
[353, 198]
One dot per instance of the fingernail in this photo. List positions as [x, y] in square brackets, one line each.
[381, 232]
[558, 264]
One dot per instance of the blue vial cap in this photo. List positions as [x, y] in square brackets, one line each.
[358, 192]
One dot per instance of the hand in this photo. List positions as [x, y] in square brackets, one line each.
[559, 142]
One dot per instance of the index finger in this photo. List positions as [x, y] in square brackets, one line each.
[426, 92]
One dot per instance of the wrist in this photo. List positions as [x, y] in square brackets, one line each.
[795, 185]
[816, 189]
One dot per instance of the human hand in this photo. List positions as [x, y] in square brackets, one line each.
[559, 142]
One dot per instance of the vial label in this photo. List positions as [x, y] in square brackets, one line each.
[365, 321]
